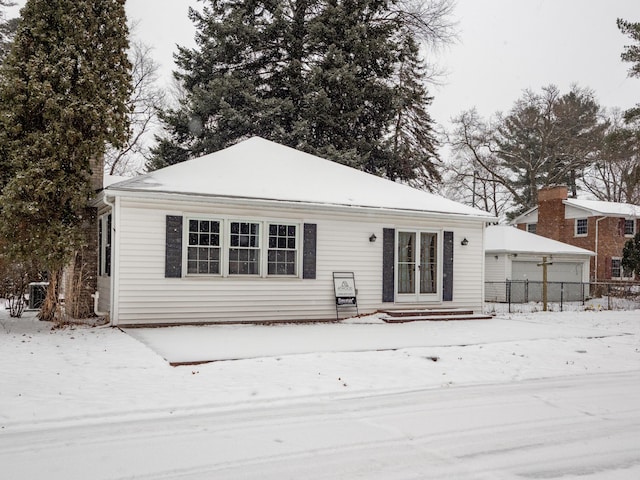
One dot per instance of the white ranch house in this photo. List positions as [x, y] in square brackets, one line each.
[255, 232]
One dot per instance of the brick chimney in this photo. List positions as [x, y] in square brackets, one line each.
[551, 211]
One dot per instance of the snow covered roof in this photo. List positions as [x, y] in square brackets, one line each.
[263, 170]
[108, 180]
[593, 207]
[598, 207]
[507, 239]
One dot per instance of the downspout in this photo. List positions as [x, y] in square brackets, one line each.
[595, 270]
[96, 295]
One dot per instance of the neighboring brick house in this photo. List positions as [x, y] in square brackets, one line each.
[603, 227]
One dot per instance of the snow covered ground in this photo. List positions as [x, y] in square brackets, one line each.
[532, 395]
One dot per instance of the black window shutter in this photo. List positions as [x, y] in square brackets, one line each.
[447, 267]
[173, 252]
[309, 251]
[388, 264]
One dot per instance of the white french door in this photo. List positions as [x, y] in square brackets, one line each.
[418, 266]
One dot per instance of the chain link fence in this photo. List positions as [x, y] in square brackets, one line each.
[564, 295]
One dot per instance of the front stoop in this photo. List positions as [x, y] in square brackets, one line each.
[430, 315]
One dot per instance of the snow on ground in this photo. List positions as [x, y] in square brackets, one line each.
[80, 372]
[560, 390]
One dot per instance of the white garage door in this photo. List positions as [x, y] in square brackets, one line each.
[570, 272]
[558, 272]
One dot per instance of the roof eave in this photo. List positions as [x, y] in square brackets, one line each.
[140, 193]
[516, 220]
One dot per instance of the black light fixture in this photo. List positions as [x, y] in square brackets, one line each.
[464, 241]
[372, 238]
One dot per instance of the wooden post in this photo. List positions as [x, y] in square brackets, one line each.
[544, 281]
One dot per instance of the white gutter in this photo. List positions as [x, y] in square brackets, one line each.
[300, 205]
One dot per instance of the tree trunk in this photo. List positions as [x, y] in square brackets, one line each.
[81, 280]
[51, 310]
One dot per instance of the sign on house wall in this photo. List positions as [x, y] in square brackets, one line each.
[344, 285]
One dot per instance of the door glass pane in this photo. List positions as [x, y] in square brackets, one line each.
[428, 262]
[406, 262]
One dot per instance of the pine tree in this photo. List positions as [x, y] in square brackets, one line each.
[412, 143]
[63, 97]
[631, 55]
[329, 77]
[631, 256]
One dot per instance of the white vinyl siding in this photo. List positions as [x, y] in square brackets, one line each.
[146, 296]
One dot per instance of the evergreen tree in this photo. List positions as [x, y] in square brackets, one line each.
[7, 29]
[631, 255]
[631, 55]
[548, 139]
[334, 78]
[63, 95]
[412, 143]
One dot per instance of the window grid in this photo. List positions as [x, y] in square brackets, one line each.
[203, 251]
[244, 248]
[282, 254]
[616, 268]
[581, 226]
[629, 227]
[532, 227]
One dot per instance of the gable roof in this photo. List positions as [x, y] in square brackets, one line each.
[507, 239]
[263, 170]
[607, 209]
[592, 208]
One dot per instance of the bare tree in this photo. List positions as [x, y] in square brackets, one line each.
[545, 139]
[145, 102]
[615, 177]
[474, 175]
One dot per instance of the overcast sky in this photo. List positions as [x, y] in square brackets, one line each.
[504, 46]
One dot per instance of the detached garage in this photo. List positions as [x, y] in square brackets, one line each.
[513, 260]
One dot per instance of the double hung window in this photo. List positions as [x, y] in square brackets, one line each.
[616, 268]
[203, 250]
[244, 248]
[282, 252]
[581, 227]
[629, 227]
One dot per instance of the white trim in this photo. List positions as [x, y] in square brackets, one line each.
[575, 227]
[292, 205]
[418, 297]
[225, 245]
[633, 223]
[185, 245]
[115, 262]
[622, 276]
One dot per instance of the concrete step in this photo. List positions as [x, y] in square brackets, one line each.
[428, 315]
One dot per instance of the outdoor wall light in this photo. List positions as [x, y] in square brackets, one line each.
[373, 238]
[464, 241]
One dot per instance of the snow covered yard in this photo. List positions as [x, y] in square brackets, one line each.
[66, 386]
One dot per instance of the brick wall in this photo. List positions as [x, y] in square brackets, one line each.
[551, 212]
[553, 224]
[81, 276]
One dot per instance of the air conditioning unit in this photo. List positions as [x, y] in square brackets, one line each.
[37, 293]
